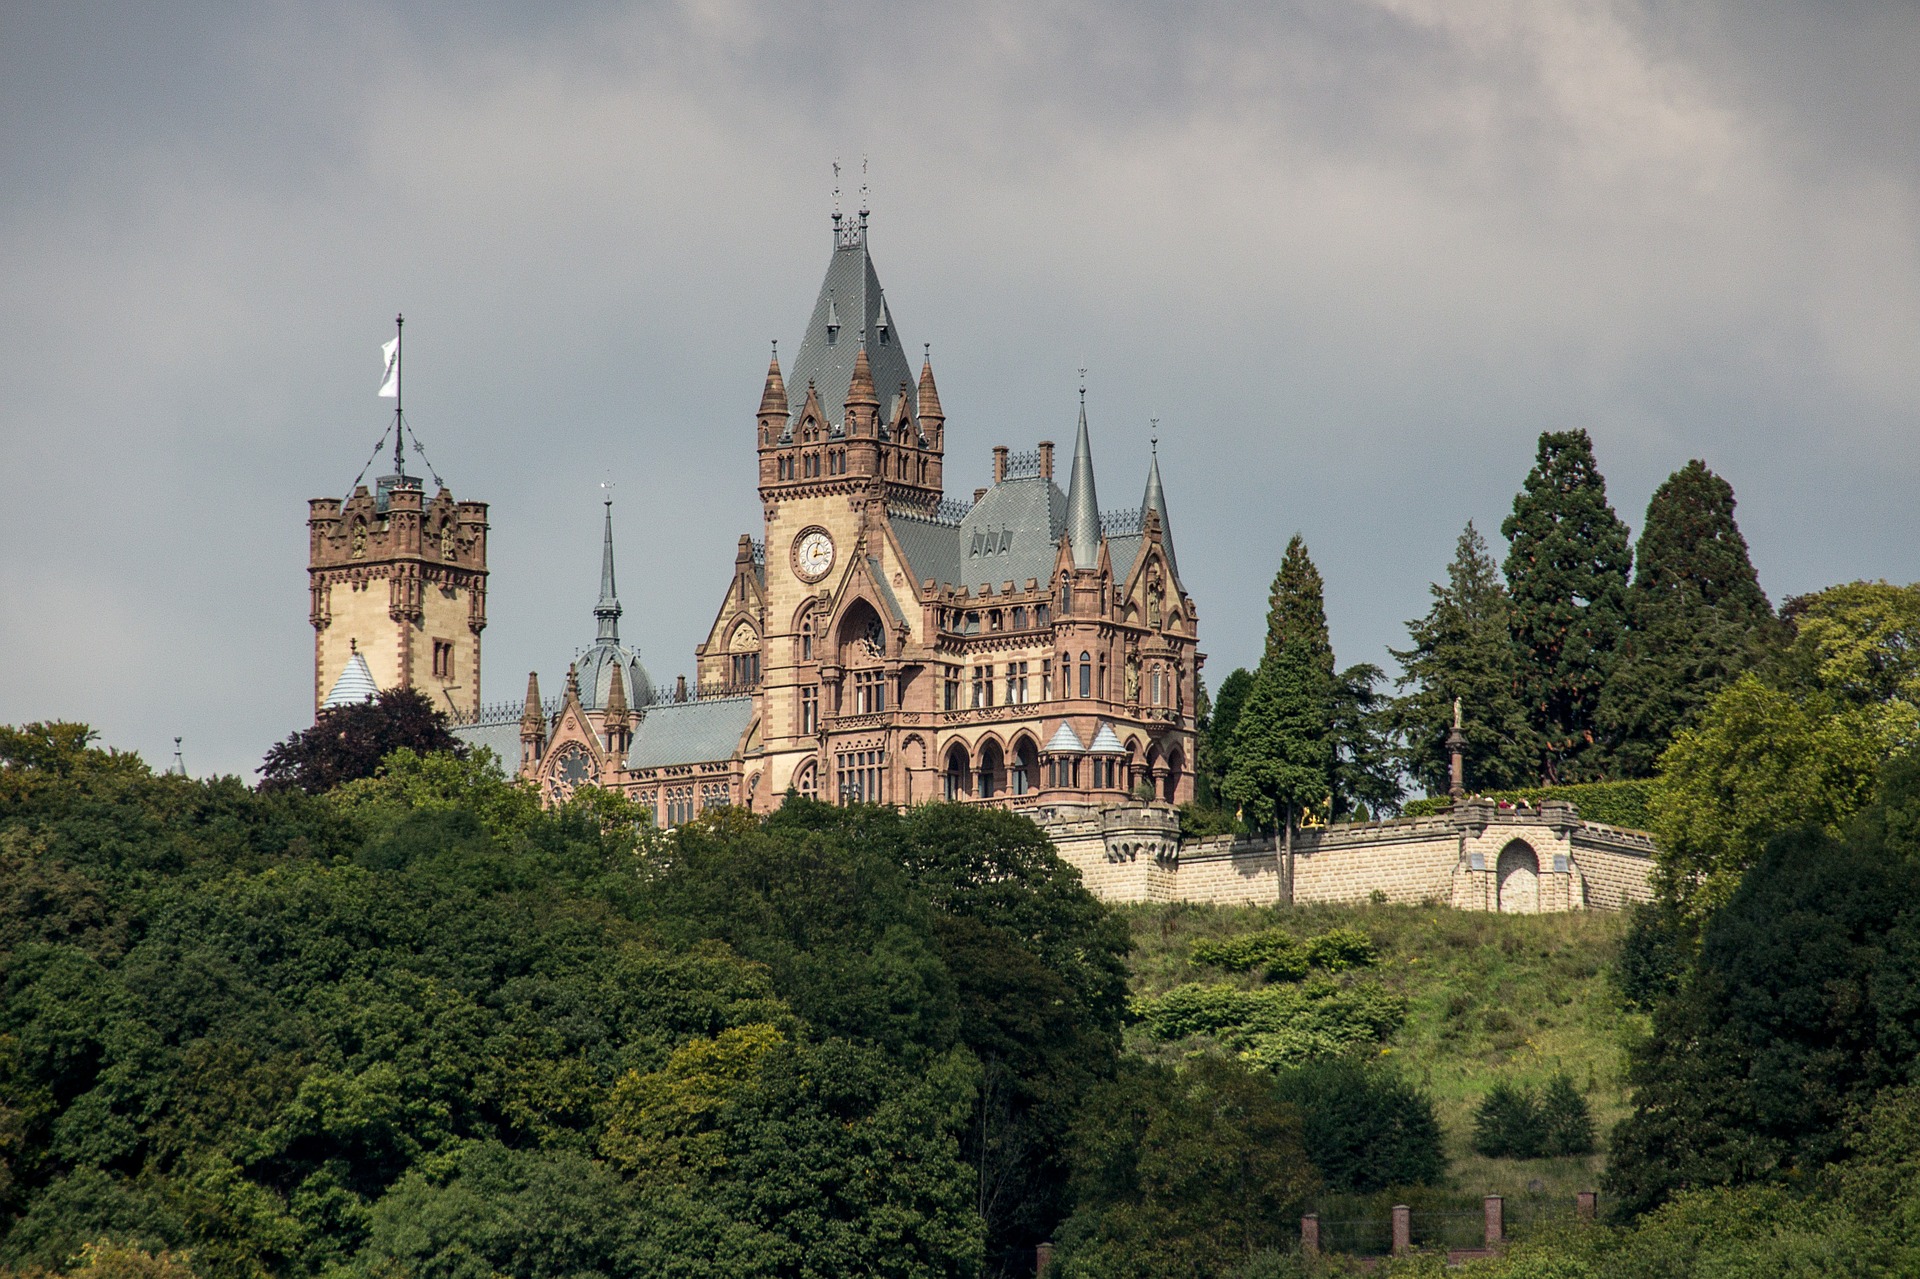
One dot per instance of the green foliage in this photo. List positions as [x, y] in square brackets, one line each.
[1281, 957]
[1182, 1173]
[1695, 616]
[1217, 735]
[349, 742]
[1365, 1127]
[1624, 803]
[419, 1025]
[1463, 648]
[1516, 1122]
[1364, 779]
[1566, 570]
[1283, 753]
[1797, 1009]
[1278, 1025]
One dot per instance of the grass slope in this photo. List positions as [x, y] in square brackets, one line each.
[1518, 997]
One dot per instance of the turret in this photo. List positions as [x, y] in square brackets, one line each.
[533, 725]
[773, 404]
[933, 419]
[1083, 505]
[1154, 503]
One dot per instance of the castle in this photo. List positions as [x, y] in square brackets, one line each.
[880, 642]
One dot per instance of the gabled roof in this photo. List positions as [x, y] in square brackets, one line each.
[354, 685]
[1065, 741]
[850, 308]
[1106, 741]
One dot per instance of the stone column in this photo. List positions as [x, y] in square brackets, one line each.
[1402, 1230]
[1042, 1258]
[1310, 1234]
[1496, 1221]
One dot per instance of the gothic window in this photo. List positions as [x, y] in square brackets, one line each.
[958, 775]
[1086, 674]
[807, 780]
[806, 638]
[869, 692]
[1066, 596]
[859, 776]
[1156, 686]
[994, 619]
[950, 697]
[809, 710]
[1016, 683]
[1019, 619]
[1046, 680]
[1040, 617]
[1023, 772]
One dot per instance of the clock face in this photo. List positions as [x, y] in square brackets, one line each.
[813, 554]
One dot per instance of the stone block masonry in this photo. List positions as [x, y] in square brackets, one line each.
[1476, 856]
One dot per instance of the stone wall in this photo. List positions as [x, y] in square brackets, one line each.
[1477, 856]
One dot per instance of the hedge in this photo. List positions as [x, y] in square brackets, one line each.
[1614, 803]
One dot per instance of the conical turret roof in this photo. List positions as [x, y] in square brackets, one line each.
[354, 685]
[1083, 504]
[1155, 500]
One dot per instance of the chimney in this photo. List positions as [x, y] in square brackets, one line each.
[1046, 459]
[977, 495]
[680, 688]
[999, 463]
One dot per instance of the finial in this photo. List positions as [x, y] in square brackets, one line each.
[353, 645]
[926, 352]
[1153, 440]
[776, 348]
[836, 190]
[863, 189]
[606, 486]
[1083, 384]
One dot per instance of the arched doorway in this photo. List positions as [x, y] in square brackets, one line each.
[1176, 764]
[1519, 876]
[1023, 773]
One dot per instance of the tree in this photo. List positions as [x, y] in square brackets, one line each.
[1463, 648]
[1365, 772]
[348, 742]
[1222, 723]
[1182, 1173]
[1364, 1127]
[1282, 753]
[1694, 615]
[1567, 562]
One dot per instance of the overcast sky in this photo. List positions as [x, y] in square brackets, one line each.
[1354, 256]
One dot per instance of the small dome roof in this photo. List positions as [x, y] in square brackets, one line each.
[596, 675]
[354, 685]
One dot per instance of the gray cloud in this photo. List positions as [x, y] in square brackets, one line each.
[1353, 255]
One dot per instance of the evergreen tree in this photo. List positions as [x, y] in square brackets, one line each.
[1282, 750]
[1693, 616]
[1366, 774]
[1463, 648]
[1567, 562]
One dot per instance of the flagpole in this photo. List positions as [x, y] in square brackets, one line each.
[399, 422]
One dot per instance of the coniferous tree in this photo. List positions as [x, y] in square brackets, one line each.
[1223, 719]
[1693, 615]
[1282, 752]
[1365, 772]
[1567, 563]
[1463, 648]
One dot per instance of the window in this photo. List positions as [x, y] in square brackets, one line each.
[715, 795]
[1016, 683]
[859, 776]
[443, 659]
[1019, 619]
[994, 619]
[809, 710]
[806, 638]
[1040, 617]
[982, 686]
[1103, 677]
[679, 805]
[950, 699]
[973, 623]
[746, 669]
[1023, 769]
[1086, 674]
[809, 781]
[1046, 681]
[1156, 686]
[1066, 596]
[869, 692]
[957, 775]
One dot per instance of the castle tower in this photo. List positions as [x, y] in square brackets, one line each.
[400, 579]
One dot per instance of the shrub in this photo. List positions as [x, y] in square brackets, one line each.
[1621, 803]
[1508, 1124]
[1566, 1124]
[1365, 1127]
[1273, 950]
[1341, 949]
[1278, 1026]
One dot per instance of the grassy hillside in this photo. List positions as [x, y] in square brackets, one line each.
[1489, 996]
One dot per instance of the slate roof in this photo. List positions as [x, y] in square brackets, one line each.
[354, 685]
[693, 732]
[1012, 534]
[1106, 741]
[502, 737]
[1065, 740]
[932, 547]
[850, 307]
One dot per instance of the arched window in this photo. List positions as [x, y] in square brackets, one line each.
[1066, 596]
[1156, 686]
[806, 638]
[1086, 674]
[1023, 771]
[991, 764]
[807, 780]
[958, 778]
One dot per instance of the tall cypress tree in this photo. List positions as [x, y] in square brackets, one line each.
[1463, 648]
[1282, 755]
[1693, 616]
[1216, 746]
[1567, 562]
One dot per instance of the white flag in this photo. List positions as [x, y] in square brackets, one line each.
[390, 369]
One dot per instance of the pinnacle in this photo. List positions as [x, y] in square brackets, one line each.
[532, 713]
[860, 390]
[929, 396]
[773, 400]
[616, 709]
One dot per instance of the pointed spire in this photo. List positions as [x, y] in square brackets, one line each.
[532, 716]
[573, 683]
[1083, 505]
[608, 609]
[773, 400]
[616, 708]
[861, 395]
[533, 725]
[929, 397]
[1155, 501]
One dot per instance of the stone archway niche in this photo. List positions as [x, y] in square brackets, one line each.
[1518, 874]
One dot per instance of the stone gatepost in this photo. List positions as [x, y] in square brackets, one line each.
[1310, 1234]
[1496, 1220]
[1402, 1230]
[1586, 1205]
